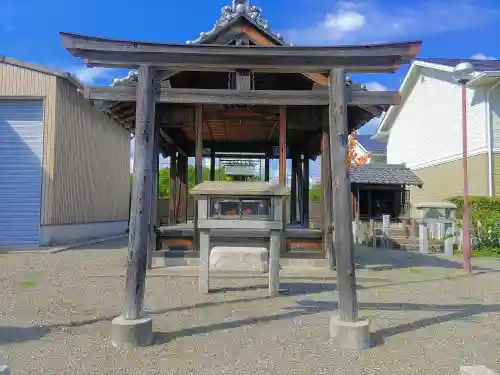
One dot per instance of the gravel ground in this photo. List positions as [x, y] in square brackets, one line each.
[426, 318]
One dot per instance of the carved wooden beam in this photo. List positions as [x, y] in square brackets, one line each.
[242, 97]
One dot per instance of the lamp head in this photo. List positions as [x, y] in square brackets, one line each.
[463, 72]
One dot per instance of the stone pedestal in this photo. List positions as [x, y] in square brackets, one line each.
[128, 334]
[236, 259]
[350, 335]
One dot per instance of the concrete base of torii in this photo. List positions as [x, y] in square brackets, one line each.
[129, 334]
[350, 335]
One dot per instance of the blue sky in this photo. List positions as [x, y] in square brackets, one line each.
[449, 28]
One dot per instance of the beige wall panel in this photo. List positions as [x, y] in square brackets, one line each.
[91, 180]
[446, 180]
[21, 82]
[496, 174]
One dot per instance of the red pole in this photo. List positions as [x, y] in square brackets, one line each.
[466, 218]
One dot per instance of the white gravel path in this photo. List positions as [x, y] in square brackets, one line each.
[56, 309]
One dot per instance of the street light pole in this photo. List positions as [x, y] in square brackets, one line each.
[466, 218]
[463, 73]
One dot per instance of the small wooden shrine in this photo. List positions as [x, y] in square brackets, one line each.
[241, 88]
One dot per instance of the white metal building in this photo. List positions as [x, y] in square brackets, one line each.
[64, 173]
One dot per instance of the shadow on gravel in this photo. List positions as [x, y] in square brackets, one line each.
[10, 335]
[287, 289]
[451, 313]
[387, 259]
[19, 334]
[303, 308]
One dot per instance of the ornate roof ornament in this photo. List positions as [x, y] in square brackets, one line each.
[131, 77]
[230, 12]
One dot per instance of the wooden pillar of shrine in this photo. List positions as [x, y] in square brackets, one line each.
[182, 169]
[154, 200]
[282, 147]
[304, 214]
[344, 251]
[140, 220]
[198, 127]
[267, 168]
[282, 171]
[198, 165]
[300, 186]
[326, 183]
[212, 166]
[172, 217]
[293, 189]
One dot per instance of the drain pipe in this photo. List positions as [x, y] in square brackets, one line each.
[489, 127]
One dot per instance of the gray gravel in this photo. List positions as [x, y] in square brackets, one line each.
[56, 311]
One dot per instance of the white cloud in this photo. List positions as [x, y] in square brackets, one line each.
[344, 21]
[91, 75]
[375, 86]
[482, 56]
[373, 21]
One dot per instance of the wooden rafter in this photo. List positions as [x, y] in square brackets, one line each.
[171, 142]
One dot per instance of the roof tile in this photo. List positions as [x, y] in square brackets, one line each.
[395, 174]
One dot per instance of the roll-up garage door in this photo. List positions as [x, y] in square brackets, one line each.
[21, 150]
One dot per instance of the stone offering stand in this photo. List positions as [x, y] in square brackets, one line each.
[243, 213]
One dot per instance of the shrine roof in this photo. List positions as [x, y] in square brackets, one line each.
[385, 174]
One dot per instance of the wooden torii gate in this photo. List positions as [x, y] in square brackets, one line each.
[152, 60]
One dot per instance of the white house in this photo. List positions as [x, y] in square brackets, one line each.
[425, 131]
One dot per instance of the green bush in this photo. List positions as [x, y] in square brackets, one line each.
[484, 215]
[477, 204]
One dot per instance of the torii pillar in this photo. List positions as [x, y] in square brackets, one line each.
[134, 327]
[346, 329]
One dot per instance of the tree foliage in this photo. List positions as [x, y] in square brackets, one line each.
[164, 179]
[316, 193]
